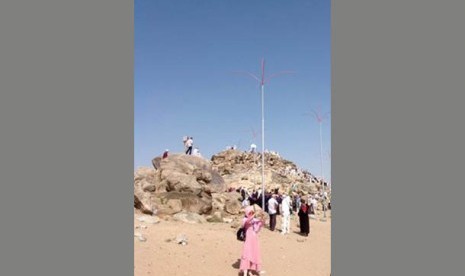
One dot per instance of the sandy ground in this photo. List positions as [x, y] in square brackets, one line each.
[213, 250]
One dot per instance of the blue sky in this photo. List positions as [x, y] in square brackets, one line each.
[185, 53]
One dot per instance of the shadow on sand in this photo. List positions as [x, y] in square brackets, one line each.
[300, 234]
[237, 264]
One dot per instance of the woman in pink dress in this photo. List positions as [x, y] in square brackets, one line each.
[251, 257]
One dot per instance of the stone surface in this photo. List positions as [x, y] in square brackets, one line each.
[216, 217]
[232, 204]
[140, 237]
[149, 219]
[189, 217]
[181, 239]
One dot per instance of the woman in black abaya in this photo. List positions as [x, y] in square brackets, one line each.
[304, 221]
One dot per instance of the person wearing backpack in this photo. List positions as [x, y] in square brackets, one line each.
[251, 256]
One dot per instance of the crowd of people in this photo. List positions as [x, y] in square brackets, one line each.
[296, 197]
[283, 203]
[276, 203]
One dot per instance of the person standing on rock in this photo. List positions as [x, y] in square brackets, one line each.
[286, 214]
[272, 210]
[165, 154]
[189, 144]
[197, 152]
[253, 147]
[251, 256]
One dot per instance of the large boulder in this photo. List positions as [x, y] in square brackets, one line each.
[188, 173]
[156, 162]
[215, 217]
[176, 183]
[144, 204]
[200, 204]
[144, 178]
[218, 202]
[217, 181]
[226, 202]
[169, 207]
[232, 205]
[181, 182]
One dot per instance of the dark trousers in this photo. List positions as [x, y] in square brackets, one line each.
[189, 151]
[272, 222]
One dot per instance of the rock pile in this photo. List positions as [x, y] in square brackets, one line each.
[243, 169]
[185, 186]
[180, 183]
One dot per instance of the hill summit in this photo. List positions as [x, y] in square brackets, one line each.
[180, 184]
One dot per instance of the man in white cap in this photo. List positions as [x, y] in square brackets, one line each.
[286, 213]
[165, 154]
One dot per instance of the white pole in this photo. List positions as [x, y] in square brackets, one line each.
[262, 84]
[263, 147]
[321, 154]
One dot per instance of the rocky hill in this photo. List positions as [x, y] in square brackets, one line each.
[244, 169]
[184, 184]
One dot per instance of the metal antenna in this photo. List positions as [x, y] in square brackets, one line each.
[320, 118]
[262, 80]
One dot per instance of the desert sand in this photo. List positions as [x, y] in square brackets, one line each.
[212, 249]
